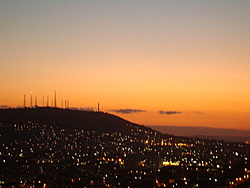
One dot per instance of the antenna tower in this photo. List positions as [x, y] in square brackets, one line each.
[55, 98]
[35, 101]
[47, 103]
[24, 101]
[30, 99]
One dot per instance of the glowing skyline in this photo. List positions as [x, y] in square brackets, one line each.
[191, 57]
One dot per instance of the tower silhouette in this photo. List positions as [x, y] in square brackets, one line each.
[35, 101]
[55, 98]
[47, 103]
[24, 101]
[31, 100]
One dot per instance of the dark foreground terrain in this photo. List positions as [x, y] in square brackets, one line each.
[49, 147]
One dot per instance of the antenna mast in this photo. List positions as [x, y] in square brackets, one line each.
[35, 101]
[47, 103]
[55, 98]
[31, 99]
[24, 101]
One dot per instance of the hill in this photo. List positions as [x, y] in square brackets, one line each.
[65, 118]
[232, 135]
[54, 147]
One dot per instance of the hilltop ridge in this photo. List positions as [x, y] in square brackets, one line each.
[66, 118]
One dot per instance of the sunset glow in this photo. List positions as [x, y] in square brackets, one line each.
[188, 59]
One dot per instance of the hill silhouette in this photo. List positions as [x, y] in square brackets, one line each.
[66, 118]
[231, 135]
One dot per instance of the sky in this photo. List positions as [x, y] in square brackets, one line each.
[180, 63]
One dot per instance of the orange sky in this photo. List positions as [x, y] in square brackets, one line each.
[190, 57]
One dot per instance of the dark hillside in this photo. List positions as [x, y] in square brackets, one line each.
[58, 148]
[65, 118]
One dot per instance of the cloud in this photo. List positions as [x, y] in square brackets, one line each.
[4, 106]
[127, 111]
[197, 112]
[179, 112]
[169, 112]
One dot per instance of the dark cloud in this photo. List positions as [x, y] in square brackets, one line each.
[127, 111]
[169, 112]
[179, 112]
[197, 112]
[4, 106]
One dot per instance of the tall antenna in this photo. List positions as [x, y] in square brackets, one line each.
[47, 103]
[98, 107]
[35, 101]
[31, 99]
[55, 98]
[24, 101]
